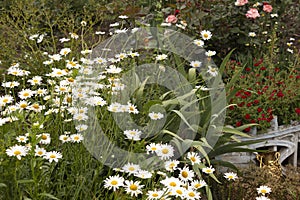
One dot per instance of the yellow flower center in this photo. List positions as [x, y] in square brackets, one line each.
[131, 168]
[165, 151]
[205, 35]
[44, 137]
[40, 153]
[24, 105]
[53, 156]
[133, 187]
[114, 182]
[179, 192]
[155, 195]
[263, 191]
[193, 159]
[17, 152]
[197, 185]
[191, 194]
[173, 184]
[184, 174]
[26, 94]
[36, 106]
[5, 100]
[76, 138]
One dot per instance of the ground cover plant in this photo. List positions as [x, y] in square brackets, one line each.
[123, 100]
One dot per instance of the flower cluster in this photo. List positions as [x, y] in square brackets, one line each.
[262, 92]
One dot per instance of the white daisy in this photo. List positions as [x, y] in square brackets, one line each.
[264, 190]
[53, 156]
[171, 165]
[193, 157]
[196, 64]
[17, 151]
[25, 93]
[156, 116]
[131, 168]
[208, 170]
[199, 43]
[76, 138]
[230, 176]
[206, 35]
[212, 71]
[39, 151]
[133, 188]
[133, 134]
[165, 151]
[161, 57]
[114, 182]
[186, 174]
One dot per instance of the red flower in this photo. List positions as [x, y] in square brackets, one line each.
[247, 116]
[259, 110]
[297, 110]
[258, 63]
[247, 129]
[249, 104]
[238, 123]
[263, 68]
[280, 94]
[231, 107]
[176, 12]
[256, 101]
[248, 69]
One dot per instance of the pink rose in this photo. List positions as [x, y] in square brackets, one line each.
[240, 2]
[267, 8]
[252, 13]
[171, 19]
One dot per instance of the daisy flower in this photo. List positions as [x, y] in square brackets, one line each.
[121, 56]
[22, 138]
[45, 138]
[55, 57]
[156, 194]
[131, 108]
[53, 156]
[263, 190]
[208, 170]
[144, 174]
[22, 105]
[81, 127]
[112, 69]
[161, 57]
[186, 174]
[171, 165]
[100, 60]
[206, 35]
[80, 117]
[152, 148]
[65, 51]
[252, 34]
[64, 138]
[39, 151]
[41, 92]
[114, 182]
[36, 107]
[10, 84]
[179, 192]
[197, 184]
[210, 53]
[156, 116]
[6, 100]
[62, 40]
[198, 42]
[131, 168]
[171, 183]
[230, 176]
[191, 194]
[17, 151]
[74, 36]
[212, 71]
[25, 93]
[195, 64]
[76, 138]
[165, 151]
[193, 157]
[133, 188]
[133, 134]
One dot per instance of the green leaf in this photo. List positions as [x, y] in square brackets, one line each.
[208, 193]
[240, 128]
[48, 195]
[235, 131]
[25, 181]
[3, 185]
[225, 61]
[224, 164]
[184, 119]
